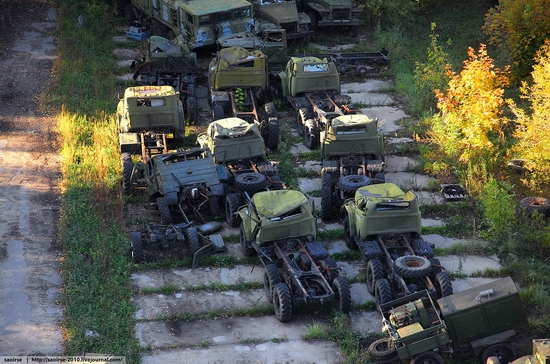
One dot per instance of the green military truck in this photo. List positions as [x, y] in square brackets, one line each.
[200, 22]
[332, 13]
[147, 116]
[283, 14]
[170, 62]
[239, 149]
[237, 85]
[480, 321]
[352, 148]
[279, 227]
[385, 224]
[312, 86]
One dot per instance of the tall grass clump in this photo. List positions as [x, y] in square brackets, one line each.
[499, 210]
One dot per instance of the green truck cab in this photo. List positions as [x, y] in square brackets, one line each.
[200, 22]
[480, 321]
[283, 14]
[332, 13]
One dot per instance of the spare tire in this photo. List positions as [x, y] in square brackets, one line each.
[353, 182]
[250, 181]
[538, 204]
[412, 266]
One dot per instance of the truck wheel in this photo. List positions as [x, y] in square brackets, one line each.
[273, 134]
[361, 71]
[129, 14]
[311, 134]
[352, 183]
[428, 357]
[348, 238]
[214, 205]
[191, 105]
[282, 303]
[382, 350]
[137, 247]
[231, 207]
[503, 351]
[127, 168]
[250, 182]
[272, 277]
[164, 212]
[443, 284]
[193, 241]
[341, 289]
[375, 271]
[326, 197]
[246, 249]
[270, 110]
[217, 112]
[330, 167]
[382, 291]
[538, 204]
[301, 117]
[412, 266]
[332, 272]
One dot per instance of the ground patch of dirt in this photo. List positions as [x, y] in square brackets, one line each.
[29, 194]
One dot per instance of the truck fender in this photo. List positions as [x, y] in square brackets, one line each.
[217, 190]
[349, 210]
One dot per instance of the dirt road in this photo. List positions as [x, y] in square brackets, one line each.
[29, 173]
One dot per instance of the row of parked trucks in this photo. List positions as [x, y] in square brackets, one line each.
[230, 168]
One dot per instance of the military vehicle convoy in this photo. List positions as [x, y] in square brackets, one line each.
[238, 147]
[237, 83]
[279, 227]
[170, 62]
[284, 15]
[352, 148]
[384, 223]
[200, 22]
[146, 117]
[480, 321]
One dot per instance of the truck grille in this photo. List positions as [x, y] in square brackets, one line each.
[289, 27]
[340, 14]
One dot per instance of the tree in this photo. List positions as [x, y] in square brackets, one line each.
[520, 28]
[470, 126]
[533, 129]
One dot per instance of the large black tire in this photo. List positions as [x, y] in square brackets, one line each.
[311, 134]
[333, 272]
[503, 351]
[428, 357]
[375, 271]
[382, 350]
[272, 277]
[214, 205]
[282, 302]
[436, 267]
[361, 71]
[127, 168]
[412, 266]
[250, 182]
[342, 291]
[352, 183]
[193, 241]
[129, 14]
[348, 238]
[217, 112]
[326, 197]
[137, 247]
[164, 212]
[246, 249]
[443, 285]
[270, 110]
[191, 105]
[330, 167]
[538, 204]
[273, 134]
[301, 117]
[382, 291]
[231, 207]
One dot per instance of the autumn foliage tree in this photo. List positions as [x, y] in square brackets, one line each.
[533, 126]
[520, 27]
[469, 129]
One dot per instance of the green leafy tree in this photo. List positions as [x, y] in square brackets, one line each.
[519, 27]
[533, 126]
[470, 127]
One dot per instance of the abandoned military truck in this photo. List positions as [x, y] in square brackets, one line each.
[479, 322]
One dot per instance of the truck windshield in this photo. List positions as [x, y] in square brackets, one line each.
[316, 67]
